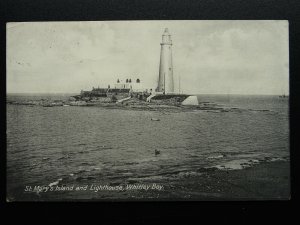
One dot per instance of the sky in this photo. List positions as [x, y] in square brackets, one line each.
[210, 57]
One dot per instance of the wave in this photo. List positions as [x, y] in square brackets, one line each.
[215, 157]
[55, 182]
[85, 178]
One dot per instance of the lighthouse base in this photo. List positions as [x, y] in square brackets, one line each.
[191, 100]
[173, 99]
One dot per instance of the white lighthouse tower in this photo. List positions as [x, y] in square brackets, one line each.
[165, 87]
[165, 80]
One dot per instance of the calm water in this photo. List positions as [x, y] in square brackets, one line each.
[91, 145]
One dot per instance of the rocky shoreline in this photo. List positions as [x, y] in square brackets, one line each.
[164, 105]
[266, 181]
[133, 103]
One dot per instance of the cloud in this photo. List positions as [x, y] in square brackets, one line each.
[246, 57]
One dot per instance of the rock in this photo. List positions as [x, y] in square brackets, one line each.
[72, 98]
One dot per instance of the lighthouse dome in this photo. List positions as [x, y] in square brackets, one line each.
[166, 37]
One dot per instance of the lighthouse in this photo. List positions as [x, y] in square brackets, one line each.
[165, 85]
[165, 79]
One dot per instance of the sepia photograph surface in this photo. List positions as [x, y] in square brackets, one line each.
[147, 110]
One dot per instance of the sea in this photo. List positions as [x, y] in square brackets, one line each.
[83, 153]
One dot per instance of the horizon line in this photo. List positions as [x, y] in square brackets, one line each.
[66, 93]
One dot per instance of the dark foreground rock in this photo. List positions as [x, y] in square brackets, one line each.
[266, 181]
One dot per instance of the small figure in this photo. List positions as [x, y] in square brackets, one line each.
[157, 152]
